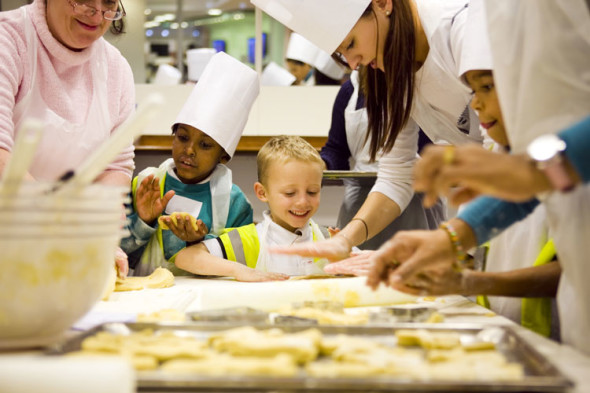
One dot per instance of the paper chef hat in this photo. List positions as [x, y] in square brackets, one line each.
[196, 60]
[167, 75]
[301, 49]
[475, 41]
[324, 22]
[275, 75]
[221, 101]
[328, 66]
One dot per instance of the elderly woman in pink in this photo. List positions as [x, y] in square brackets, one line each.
[56, 67]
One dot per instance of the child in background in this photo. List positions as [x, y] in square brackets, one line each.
[518, 260]
[194, 188]
[290, 174]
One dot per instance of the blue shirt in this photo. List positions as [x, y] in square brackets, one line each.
[240, 213]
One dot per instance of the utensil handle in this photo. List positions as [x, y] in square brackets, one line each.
[23, 152]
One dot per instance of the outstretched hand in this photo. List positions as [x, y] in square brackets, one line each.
[333, 249]
[253, 275]
[359, 264]
[149, 204]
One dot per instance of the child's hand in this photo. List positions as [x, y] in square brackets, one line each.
[248, 274]
[121, 262]
[148, 202]
[184, 229]
[359, 264]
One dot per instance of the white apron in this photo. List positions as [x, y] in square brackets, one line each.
[516, 248]
[569, 218]
[414, 216]
[64, 145]
[441, 101]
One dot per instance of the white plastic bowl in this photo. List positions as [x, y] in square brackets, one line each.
[56, 255]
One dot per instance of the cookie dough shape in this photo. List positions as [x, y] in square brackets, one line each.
[174, 217]
[160, 278]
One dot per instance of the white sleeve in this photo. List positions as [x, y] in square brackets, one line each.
[395, 175]
[213, 247]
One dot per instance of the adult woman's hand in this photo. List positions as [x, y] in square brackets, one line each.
[333, 249]
[465, 172]
[403, 262]
[150, 205]
[359, 264]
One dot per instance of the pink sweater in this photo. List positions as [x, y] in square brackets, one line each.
[66, 76]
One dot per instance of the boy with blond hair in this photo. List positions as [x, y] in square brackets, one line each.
[289, 180]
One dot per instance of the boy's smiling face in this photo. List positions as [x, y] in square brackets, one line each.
[292, 192]
[195, 154]
[485, 103]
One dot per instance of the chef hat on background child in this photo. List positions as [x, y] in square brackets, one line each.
[220, 102]
[476, 53]
[196, 61]
[326, 23]
[275, 75]
[301, 49]
[328, 66]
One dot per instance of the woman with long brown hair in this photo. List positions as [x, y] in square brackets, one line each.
[415, 52]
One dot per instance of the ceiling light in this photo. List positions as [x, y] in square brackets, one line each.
[214, 12]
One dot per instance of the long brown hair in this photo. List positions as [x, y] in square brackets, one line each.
[389, 94]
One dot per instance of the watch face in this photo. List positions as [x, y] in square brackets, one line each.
[545, 147]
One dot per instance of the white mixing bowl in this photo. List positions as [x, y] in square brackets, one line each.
[52, 271]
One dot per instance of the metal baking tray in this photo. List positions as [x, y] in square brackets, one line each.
[540, 374]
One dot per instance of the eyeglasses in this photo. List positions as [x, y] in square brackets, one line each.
[82, 9]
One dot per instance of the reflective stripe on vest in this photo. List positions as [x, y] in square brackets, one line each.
[243, 245]
[536, 312]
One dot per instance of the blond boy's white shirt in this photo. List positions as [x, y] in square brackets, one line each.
[271, 234]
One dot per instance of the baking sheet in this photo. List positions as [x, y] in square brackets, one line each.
[540, 374]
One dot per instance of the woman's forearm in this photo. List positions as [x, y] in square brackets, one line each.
[377, 212]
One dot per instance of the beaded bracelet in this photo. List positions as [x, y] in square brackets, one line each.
[460, 254]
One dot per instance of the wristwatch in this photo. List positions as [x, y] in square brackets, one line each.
[547, 153]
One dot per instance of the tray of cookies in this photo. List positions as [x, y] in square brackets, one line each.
[410, 357]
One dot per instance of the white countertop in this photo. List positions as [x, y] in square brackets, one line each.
[188, 294]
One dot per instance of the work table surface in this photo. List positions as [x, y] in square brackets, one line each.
[193, 294]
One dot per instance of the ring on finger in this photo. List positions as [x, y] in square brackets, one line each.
[449, 155]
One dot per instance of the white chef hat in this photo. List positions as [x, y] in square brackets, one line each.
[167, 75]
[221, 101]
[476, 51]
[196, 60]
[328, 66]
[275, 75]
[301, 49]
[324, 22]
